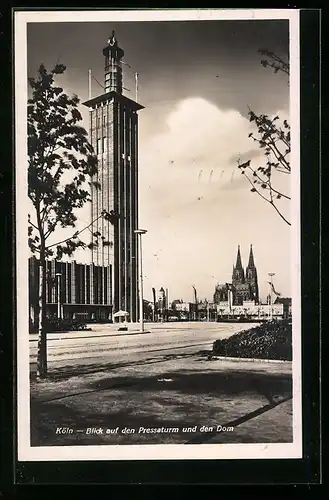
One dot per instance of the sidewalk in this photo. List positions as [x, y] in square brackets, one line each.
[179, 392]
[272, 426]
[99, 330]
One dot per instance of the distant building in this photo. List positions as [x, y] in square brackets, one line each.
[81, 290]
[252, 311]
[182, 306]
[183, 310]
[206, 311]
[161, 306]
[162, 300]
[244, 286]
[286, 303]
[221, 293]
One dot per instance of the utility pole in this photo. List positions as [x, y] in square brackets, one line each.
[196, 303]
[154, 304]
[167, 304]
[230, 301]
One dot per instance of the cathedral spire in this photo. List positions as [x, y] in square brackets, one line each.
[238, 264]
[238, 272]
[251, 262]
[251, 277]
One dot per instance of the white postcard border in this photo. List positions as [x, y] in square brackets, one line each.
[158, 451]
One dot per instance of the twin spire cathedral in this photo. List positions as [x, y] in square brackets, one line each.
[244, 283]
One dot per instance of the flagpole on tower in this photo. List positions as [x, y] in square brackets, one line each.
[136, 87]
[271, 290]
[89, 83]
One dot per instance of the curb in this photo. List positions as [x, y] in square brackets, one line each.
[91, 336]
[250, 360]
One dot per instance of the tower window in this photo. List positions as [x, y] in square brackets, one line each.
[99, 146]
[104, 150]
[104, 120]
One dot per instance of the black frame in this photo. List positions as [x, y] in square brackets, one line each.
[196, 472]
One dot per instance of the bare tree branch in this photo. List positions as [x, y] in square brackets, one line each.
[271, 202]
[264, 181]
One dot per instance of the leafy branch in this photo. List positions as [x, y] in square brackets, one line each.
[62, 172]
[274, 139]
[274, 61]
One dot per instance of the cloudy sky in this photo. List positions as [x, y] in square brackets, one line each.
[196, 81]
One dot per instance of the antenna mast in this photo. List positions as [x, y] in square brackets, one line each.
[89, 83]
[136, 87]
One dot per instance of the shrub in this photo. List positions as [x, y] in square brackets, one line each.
[53, 324]
[267, 341]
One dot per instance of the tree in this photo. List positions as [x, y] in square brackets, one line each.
[61, 164]
[148, 310]
[274, 138]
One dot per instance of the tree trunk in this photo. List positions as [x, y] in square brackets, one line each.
[42, 334]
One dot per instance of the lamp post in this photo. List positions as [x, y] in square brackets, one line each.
[139, 233]
[58, 276]
[271, 285]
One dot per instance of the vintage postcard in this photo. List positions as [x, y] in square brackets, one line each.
[158, 234]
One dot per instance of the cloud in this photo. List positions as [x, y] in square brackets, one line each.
[195, 204]
[194, 153]
[198, 132]
[194, 201]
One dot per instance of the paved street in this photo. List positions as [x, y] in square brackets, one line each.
[106, 344]
[103, 382]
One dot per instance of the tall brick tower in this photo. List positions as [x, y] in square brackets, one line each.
[114, 136]
[251, 277]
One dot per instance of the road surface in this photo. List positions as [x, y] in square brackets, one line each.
[110, 379]
[105, 344]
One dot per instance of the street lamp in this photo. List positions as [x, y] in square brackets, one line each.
[271, 285]
[58, 276]
[139, 233]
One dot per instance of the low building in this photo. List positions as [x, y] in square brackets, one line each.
[78, 290]
[286, 303]
[183, 307]
[221, 293]
[249, 310]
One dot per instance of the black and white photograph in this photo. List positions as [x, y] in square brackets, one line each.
[158, 234]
